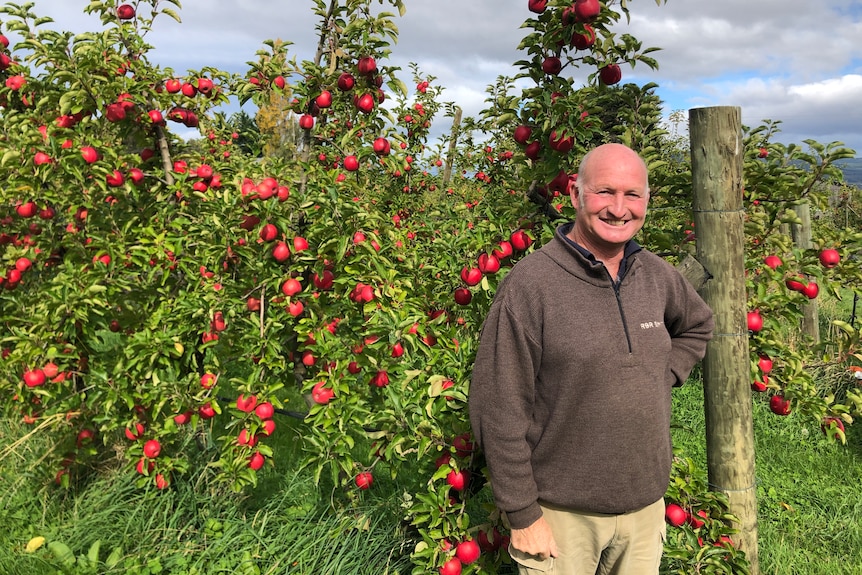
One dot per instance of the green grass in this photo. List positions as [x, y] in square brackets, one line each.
[808, 489]
[286, 526]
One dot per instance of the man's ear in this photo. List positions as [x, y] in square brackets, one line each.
[572, 189]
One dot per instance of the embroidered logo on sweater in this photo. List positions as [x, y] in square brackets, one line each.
[651, 324]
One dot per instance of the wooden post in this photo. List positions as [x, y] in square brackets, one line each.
[801, 234]
[453, 142]
[716, 165]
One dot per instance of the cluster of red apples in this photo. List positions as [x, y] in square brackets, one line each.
[778, 403]
[490, 264]
[581, 12]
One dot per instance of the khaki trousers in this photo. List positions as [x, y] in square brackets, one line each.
[599, 544]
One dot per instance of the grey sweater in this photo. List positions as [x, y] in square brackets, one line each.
[570, 395]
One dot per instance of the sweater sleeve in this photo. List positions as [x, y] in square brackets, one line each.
[690, 328]
[501, 407]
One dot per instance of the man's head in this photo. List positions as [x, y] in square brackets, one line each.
[611, 196]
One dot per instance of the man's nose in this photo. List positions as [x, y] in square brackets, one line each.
[617, 207]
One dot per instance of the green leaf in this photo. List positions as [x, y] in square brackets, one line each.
[173, 14]
[62, 552]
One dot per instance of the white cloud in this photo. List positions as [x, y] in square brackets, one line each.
[797, 61]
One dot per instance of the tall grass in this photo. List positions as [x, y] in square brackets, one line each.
[287, 526]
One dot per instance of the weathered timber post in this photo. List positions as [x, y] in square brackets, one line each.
[716, 165]
[801, 234]
[453, 142]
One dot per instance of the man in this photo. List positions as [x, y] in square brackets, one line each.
[570, 398]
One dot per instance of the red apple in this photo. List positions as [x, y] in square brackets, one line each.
[382, 147]
[136, 175]
[246, 404]
[503, 250]
[208, 380]
[522, 134]
[134, 433]
[464, 447]
[364, 480]
[563, 143]
[380, 379]
[772, 261]
[281, 252]
[115, 179]
[365, 103]
[152, 448]
[268, 232]
[457, 479]
[351, 163]
[27, 209]
[471, 276]
[324, 100]
[698, 520]
[764, 363]
[585, 40]
[206, 411]
[295, 308]
[675, 515]
[463, 296]
[467, 551]
[755, 321]
[366, 66]
[172, 85]
[256, 460]
[205, 86]
[779, 404]
[89, 154]
[321, 394]
[346, 82]
[451, 567]
[587, 10]
[34, 378]
[183, 418]
[520, 240]
[306, 121]
[552, 65]
[264, 410]
[125, 12]
[832, 423]
[300, 244]
[795, 285]
[291, 286]
[532, 150]
[811, 290]
[829, 258]
[760, 386]
[610, 74]
[323, 281]
[537, 6]
[488, 264]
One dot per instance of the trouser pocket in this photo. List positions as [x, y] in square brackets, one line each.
[531, 564]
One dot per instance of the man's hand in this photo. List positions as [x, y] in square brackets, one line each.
[536, 539]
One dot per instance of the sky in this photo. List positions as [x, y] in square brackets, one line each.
[795, 61]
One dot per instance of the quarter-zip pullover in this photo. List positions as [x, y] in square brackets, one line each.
[570, 395]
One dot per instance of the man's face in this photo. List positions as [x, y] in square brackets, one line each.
[612, 201]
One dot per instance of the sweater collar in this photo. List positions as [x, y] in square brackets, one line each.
[632, 247]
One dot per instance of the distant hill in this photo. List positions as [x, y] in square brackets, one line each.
[852, 169]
